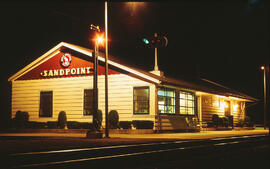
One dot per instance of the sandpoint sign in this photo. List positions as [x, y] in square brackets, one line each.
[67, 72]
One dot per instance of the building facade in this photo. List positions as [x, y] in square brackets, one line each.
[62, 80]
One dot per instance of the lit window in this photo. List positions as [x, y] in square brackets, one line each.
[88, 106]
[186, 103]
[141, 100]
[166, 101]
[45, 105]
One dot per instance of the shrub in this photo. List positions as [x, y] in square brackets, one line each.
[36, 125]
[220, 122]
[20, 119]
[52, 124]
[210, 124]
[251, 124]
[97, 124]
[73, 125]
[79, 125]
[248, 122]
[230, 119]
[143, 124]
[62, 119]
[99, 119]
[86, 125]
[240, 123]
[125, 124]
[215, 120]
[113, 119]
[225, 121]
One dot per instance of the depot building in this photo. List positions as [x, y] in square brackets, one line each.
[62, 80]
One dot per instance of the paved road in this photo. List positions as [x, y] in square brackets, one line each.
[214, 153]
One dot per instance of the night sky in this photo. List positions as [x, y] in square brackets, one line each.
[223, 41]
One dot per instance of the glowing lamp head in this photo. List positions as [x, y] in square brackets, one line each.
[262, 67]
[99, 39]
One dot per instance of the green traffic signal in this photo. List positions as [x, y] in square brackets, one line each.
[146, 41]
[155, 42]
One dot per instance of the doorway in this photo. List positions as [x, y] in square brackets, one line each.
[227, 108]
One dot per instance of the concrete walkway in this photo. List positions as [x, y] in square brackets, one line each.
[34, 142]
[196, 135]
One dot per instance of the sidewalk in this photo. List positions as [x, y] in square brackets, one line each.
[196, 135]
[27, 142]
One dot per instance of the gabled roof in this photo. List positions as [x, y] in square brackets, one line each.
[88, 52]
[196, 84]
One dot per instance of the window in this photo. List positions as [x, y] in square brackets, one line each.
[88, 106]
[166, 101]
[141, 100]
[45, 105]
[186, 103]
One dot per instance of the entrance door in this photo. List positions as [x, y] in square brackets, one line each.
[227, 108]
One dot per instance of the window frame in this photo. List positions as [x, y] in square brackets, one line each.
[50, 114]
[165, 89]
[186, 105]
[91, 112]
[141, 87]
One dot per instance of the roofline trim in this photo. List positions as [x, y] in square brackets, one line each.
[34, 63]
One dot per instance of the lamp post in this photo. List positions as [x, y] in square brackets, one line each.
[95, 87]
[264, 94]
[265, 69]
[96, 126]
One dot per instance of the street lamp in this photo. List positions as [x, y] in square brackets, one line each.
[264, 92]
[99, 40]
[96, 126]
[265, 69]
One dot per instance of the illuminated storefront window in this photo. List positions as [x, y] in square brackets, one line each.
[166, 101]
[141, 100]
[46, 104]
[88, 106]
[186, 103]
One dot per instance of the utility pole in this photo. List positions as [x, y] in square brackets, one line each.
[106, 71]
[267, 79]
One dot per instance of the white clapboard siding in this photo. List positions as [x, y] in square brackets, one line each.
[209, 107]
[68, 97]
[239, 113]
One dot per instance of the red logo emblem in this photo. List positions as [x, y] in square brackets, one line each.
[65, 60]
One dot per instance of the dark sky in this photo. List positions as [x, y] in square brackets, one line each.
[223, 41]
